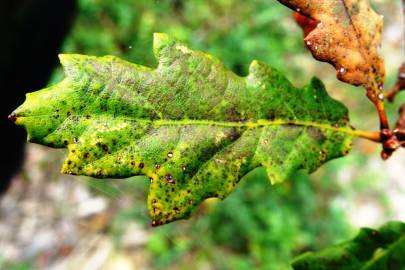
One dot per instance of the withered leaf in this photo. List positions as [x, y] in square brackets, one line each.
[347, 35]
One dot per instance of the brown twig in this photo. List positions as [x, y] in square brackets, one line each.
[400, 83]
[378, 102]
[394, 139]
[398, 86]
[401, 119]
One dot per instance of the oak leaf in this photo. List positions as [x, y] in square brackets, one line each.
[347, 35]
[381, 249]
[190, 125]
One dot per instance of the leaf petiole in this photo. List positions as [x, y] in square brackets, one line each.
[374, 136]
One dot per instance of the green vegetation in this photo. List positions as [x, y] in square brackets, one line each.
[258, 226]
[369, 250]
[191, 126]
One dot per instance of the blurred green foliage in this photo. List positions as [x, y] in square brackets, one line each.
[259, 226]
[235, 31]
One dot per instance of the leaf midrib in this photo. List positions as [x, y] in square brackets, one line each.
[246, 124]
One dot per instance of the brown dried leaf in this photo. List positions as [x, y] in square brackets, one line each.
[347, 35]
[307, 24]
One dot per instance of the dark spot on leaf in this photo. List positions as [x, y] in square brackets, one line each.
[155, 223]
[169, 178]
[234, 134]
[104, 147]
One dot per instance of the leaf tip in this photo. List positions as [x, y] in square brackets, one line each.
[72, 64]
[275, 181]
[255, 65]
[258, 69]
[12, 117]
[160, 40]
[69, 59]
[63, 58]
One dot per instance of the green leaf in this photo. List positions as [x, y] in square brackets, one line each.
[190, 125]
[380, 249]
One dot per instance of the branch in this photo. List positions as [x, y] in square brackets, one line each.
[399, 84]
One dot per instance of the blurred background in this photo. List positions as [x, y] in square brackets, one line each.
[54, 221]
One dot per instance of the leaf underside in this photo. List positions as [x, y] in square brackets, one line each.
[190, 125]
[381, 249]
